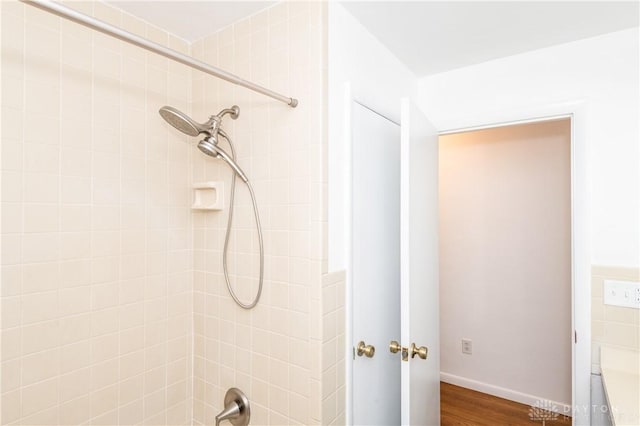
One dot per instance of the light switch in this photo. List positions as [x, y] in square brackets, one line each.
[622, 293]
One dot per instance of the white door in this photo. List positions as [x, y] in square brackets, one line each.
[419, 267]
[393, 264]
[375, 266]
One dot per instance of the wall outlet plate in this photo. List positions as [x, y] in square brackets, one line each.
[467, 346]
[622, 293]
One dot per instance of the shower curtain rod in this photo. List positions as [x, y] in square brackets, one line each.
[88, 21]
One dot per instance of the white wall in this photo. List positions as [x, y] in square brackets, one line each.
[378, 79]
[505, 258]
[601, 71]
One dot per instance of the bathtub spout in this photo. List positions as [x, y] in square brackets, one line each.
[231, 411]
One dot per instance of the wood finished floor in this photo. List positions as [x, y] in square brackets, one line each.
[464, 407]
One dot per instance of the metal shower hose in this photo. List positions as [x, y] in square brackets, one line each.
[226, 238]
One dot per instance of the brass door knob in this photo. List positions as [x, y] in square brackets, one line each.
[394, 347]
[420, 351]
[366, 350]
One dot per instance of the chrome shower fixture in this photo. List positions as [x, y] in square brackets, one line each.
[183, 122]
[211, 129]
[187, 125]
[209, 145]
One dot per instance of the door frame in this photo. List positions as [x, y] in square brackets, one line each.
[576, 111]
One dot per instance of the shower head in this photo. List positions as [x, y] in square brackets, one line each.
[182, 121]
[188, 126]
[209, 146]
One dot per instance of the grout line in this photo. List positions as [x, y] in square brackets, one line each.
[22, 191]
[59, 206]
[120, 216]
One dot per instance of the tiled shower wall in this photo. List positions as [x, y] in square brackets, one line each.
[612, 325]
[275, 351]
[96, 227]
[333, 349]
[108, 277]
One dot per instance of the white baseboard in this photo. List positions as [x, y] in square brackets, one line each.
[511, 395]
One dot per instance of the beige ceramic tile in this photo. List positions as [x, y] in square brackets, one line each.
[106, 227]
[614, 325]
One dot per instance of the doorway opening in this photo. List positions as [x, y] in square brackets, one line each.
[506, 271]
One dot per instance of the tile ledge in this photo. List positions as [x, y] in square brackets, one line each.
[621, 381]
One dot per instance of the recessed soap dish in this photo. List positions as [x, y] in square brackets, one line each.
[208, 196]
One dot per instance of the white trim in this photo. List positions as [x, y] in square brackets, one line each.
[501, 117]
[510, 394]
[405, 252]
[580, 229]
[505, 124]
[348, 302]
[581, 266]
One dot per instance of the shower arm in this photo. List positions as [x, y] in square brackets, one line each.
[234, 112]
[215, 121]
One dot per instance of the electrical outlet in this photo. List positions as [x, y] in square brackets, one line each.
[622, 293]
[466, 346]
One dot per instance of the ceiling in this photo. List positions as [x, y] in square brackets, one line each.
[432, 37]
[191, 20]
[428, 36]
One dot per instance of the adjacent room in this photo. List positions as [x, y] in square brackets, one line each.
[505, 265]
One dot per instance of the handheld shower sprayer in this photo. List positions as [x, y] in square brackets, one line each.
[211, 129]
[209, 145]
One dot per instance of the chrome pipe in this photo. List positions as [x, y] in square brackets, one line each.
[119, 33]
